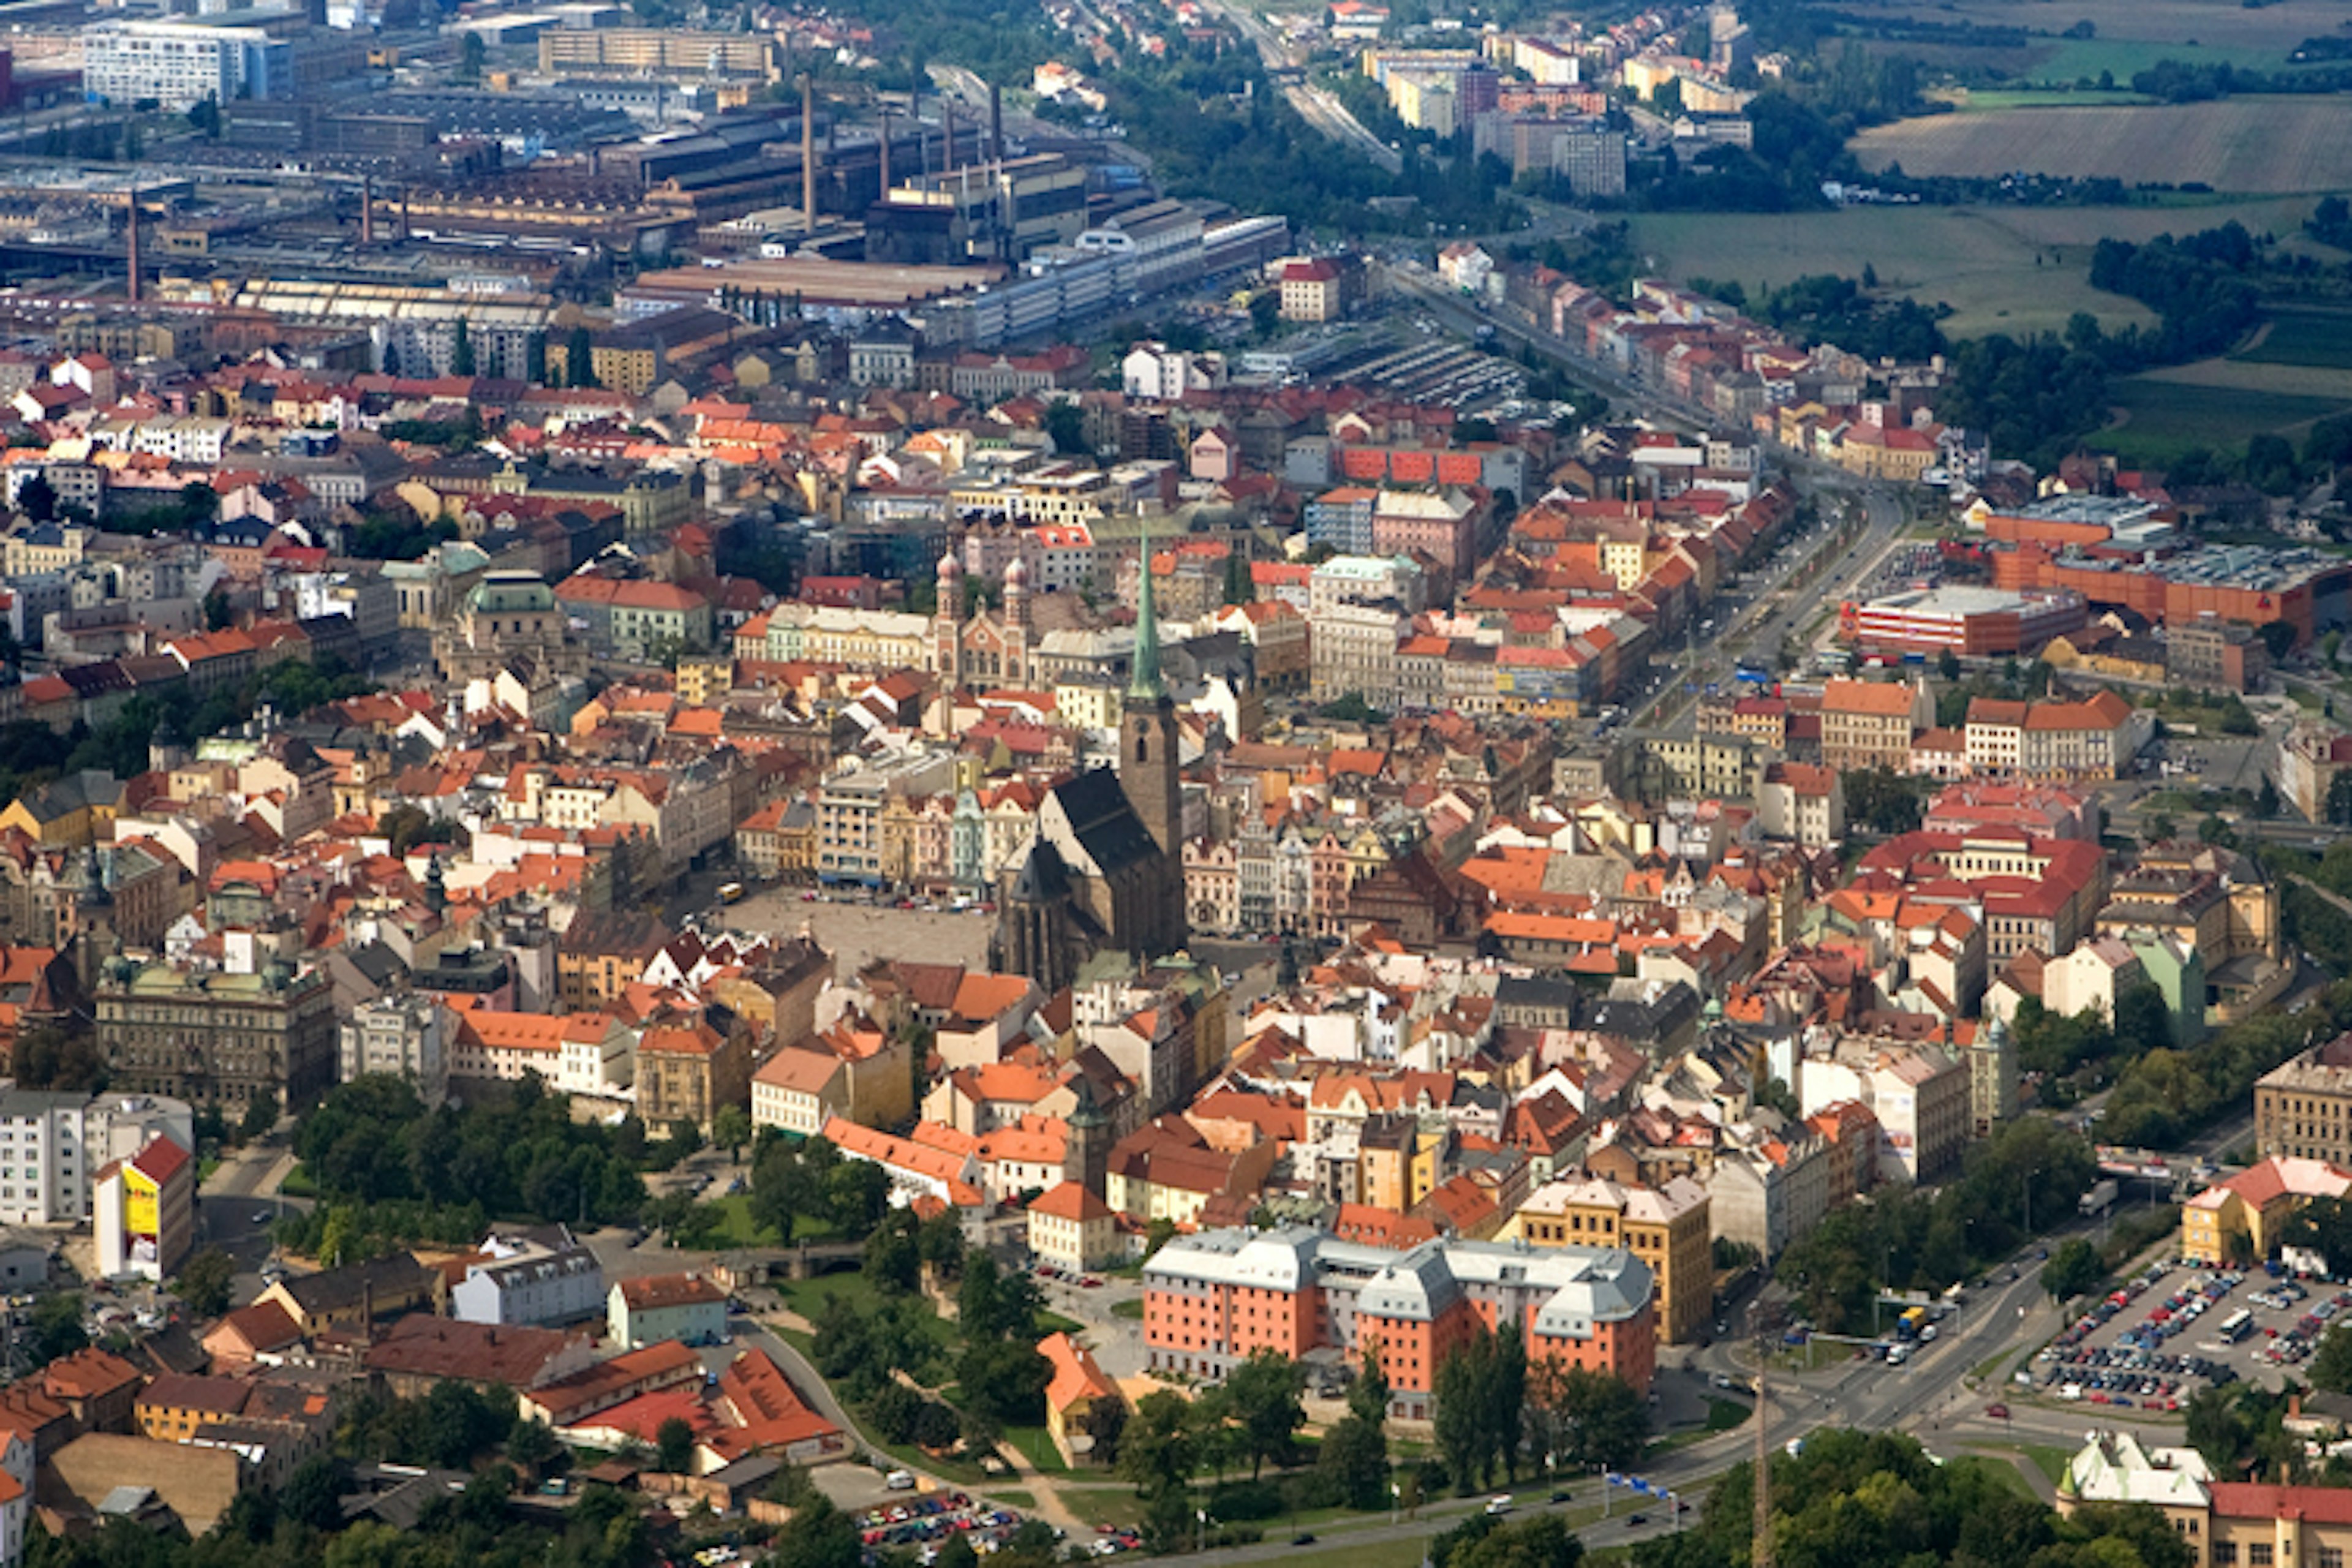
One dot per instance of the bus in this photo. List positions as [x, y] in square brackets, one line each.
[2237, 1325]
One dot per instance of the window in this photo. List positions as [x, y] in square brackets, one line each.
[2258, 1554]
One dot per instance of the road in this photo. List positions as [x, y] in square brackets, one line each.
[237, 1204]
[1317, 107]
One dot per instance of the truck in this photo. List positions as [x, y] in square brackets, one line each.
[1909, 1324]
[2100, 1198]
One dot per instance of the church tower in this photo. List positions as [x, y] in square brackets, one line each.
[947, 622]
[1147, 772]
[1147, 751]
[1020, 622]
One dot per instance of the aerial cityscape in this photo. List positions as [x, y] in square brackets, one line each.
[1368, 785]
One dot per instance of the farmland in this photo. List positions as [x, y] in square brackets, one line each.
[2237, 144]
[2310, 335]
[2126, 36]
[1978, 260]
[2162, 413]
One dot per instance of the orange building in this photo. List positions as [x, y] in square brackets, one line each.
[1210, 1299]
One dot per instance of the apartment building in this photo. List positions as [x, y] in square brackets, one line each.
[1212, 1299]
[2303, 1109]
[1869, 724]
[1666, 1227]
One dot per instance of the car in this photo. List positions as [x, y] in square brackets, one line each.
[1499, 1505]
[263, 1217]
[1303, 1537]
[900, 1482]
[1559, 1495]
[1635, 1521]
[1998, 1412]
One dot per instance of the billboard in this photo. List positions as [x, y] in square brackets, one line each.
[141, 1215]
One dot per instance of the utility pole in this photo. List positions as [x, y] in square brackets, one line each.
[1759, 1553]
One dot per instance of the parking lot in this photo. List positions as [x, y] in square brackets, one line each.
[2171, 1330]
[922, 1523]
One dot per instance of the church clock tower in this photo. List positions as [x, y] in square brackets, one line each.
[1147, 769]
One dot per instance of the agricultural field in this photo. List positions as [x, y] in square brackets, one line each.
[2162, 414]
[1979, 260]
[2318, 336]
[2126, 36]
[2237, 144]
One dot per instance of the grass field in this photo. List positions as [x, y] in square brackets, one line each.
[2160, 418]
[2221, 28]
[1983, 101]
[2237, 144]
[2311, 335]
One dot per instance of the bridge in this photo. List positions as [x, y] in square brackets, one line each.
[802, 1260]
[2178, 1171]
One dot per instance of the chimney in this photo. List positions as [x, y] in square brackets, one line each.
[947, 113]
[135, 244]
[367, 209]
[995, 123]
[808, 154]
[886, 151]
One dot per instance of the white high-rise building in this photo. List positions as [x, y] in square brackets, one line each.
[182, 62]
[52, 1144]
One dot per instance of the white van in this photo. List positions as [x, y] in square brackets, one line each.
[1499, 1506]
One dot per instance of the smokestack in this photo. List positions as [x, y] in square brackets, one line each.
[135, 244]
[367, 209]
[922, 132]
[808, 153]
[946, 116]
[886, 151]
[995, 123]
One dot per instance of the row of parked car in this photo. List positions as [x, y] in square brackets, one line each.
[2295, 1345]
[928, 1521]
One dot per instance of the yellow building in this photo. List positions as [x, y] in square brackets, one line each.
[2223, 1524]
[2255, 1204]
[74, 812]
[1665, 1227]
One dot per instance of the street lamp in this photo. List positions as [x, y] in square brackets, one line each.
[1200, 1528]
[1396, 1502]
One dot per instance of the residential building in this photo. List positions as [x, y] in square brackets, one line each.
[2221, 1525]
[1073, 1229]
[1869, 724]
[405, 1035]
[1668, 1228]
[682, 1307]
[527, 1280]
[2241, 1216]
[2303, 1109]
[1212, 1299]
[144, 1211]
[800, 1091]
[1082, 1402]
[686, 1071]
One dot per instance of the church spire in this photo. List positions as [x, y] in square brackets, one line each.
[1146, 684]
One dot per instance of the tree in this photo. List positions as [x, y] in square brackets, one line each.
[204, 1281]
[56, 1328]
[1541, 1541]
[260, 1117]
[674, 1446]
[1947, 665]
[1589, 1417]
[1003, 1381]
[1157, 1452]
[461, 351]
[533, 1446]
[1265, 1390]
[579, 358]
[2074, 1269]
[1265, 311]
[313, 1494]
[1355, 1457]
[219, 614]
[818, 1536]
[472, 53]
[894, 1258]
[731, 1129]
[1066, 423]
[37, 499]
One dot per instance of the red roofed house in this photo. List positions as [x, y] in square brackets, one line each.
[1082, 1403]
[1072, 1228]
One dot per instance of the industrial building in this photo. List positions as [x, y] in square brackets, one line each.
[1973, 623]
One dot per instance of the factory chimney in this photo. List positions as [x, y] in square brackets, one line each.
[367, 209]
[995, 124]
[808, 153]
[135, 244]
[886, 151]
[947, 120]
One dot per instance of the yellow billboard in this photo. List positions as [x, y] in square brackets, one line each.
[141, 1217]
